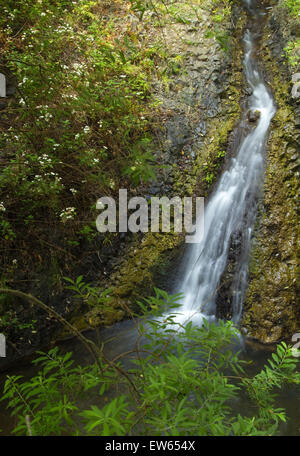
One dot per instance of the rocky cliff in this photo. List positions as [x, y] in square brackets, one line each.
[272, 309]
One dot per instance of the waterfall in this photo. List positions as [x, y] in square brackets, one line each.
[230, 209]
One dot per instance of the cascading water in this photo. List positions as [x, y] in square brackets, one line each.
[231, 208]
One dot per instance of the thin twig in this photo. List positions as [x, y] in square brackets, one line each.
[27, 418]
[89, 344]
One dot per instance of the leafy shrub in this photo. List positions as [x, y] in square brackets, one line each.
[293, 6]
[79, 120]
[184, 380]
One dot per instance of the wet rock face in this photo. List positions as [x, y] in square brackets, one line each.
[195, 94]
[178, 133]
[199, 108]
[272, 310]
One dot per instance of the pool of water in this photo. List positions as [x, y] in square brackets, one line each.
[122, 338]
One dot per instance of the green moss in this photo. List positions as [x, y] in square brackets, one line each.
[136, 276]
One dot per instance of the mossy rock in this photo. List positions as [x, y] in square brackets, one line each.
[271, 311]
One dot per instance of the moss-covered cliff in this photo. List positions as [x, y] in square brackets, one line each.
[272, 311]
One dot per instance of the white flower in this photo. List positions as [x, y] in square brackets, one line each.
[2, 207]
[86, 129]
[67, 214]
[48, 116]
[73, 191]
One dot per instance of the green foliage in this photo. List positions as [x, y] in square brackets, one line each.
[48, 399]
[81, 115]
[142, 167]
[79, 124]
[113, 419]
[209, 178]
[9, 320]
[185, 12]
[292, 52]
[281, 370]
[90, 295]
[224, 40]
[293, 7]
[184, 380]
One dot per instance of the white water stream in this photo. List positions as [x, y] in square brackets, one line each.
[231, 209]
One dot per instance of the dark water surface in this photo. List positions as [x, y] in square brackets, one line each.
[122, 338]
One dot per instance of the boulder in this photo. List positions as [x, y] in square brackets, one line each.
[253, 116]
